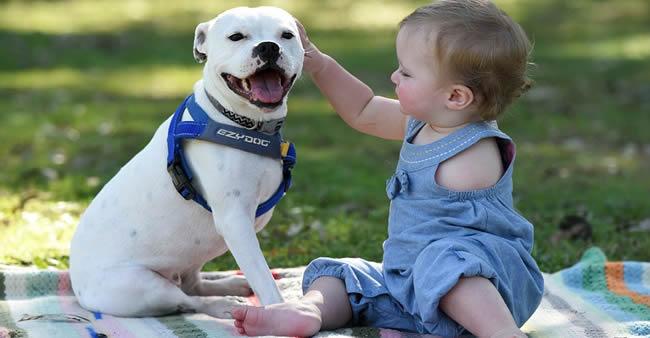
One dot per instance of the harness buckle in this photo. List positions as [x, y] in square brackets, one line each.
[180, 180]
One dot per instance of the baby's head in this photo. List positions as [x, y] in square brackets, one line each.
[476, 45]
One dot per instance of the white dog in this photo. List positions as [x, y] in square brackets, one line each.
[140, 245]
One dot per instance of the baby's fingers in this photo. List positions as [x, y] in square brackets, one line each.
[314, 60]
[303, 35]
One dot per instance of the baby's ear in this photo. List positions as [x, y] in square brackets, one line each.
[200, 36]
[460, 97]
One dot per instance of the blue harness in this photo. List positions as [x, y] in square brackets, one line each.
[204, 128]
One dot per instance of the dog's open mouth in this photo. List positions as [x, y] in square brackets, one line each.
[266, 88]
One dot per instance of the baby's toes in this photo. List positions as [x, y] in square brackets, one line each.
[239, 314]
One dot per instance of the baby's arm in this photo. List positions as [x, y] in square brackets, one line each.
[352, 99]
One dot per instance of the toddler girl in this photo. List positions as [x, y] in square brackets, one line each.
[458, 255]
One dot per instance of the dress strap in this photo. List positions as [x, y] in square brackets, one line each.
[418, 156]
[412, 128]
[475, 132]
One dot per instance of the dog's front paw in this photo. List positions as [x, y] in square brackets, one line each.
[237, 286]
[221, 307]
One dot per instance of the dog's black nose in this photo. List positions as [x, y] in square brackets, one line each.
[267, 51]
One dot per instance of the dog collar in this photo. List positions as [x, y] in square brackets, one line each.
[204, 128]
[267, 127]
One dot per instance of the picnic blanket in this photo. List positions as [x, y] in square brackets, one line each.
[593, 298]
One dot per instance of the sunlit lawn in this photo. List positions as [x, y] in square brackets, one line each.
[84, 84]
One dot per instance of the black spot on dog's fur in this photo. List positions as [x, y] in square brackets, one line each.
[133, 233]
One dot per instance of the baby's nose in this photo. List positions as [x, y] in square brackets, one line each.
[394, 77]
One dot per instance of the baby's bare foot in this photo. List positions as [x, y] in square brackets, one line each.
[285, 319]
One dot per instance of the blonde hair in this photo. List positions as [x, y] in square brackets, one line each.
[480, 46]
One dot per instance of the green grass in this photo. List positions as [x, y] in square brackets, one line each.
[84, 84]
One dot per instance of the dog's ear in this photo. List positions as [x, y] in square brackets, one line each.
[200, 34]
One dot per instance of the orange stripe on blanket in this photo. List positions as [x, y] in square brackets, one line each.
[615, 276]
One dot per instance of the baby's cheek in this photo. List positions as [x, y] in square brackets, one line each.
[401, 93]
[405, 99]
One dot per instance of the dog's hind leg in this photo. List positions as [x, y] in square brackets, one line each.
[136, 291]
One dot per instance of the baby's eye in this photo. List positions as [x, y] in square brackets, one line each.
[404, 73]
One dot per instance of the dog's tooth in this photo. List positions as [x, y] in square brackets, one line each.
[245, 85]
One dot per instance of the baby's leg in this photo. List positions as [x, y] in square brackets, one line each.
[476, 304]
[324, 306]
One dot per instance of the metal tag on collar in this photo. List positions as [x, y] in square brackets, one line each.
[270, 127]
[284, 149]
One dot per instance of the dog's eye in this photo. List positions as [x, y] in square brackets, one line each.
[236, 37]
[287, 35]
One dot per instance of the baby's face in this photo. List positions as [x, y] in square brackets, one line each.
[421, 91]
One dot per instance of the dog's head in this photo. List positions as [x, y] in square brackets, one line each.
[253, 56]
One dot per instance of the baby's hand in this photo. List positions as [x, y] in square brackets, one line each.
[314, 59]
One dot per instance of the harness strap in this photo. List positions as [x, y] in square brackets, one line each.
[204, 128]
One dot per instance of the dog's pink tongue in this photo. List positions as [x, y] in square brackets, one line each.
[266, 87]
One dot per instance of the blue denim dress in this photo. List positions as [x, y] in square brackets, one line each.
[436, 236]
